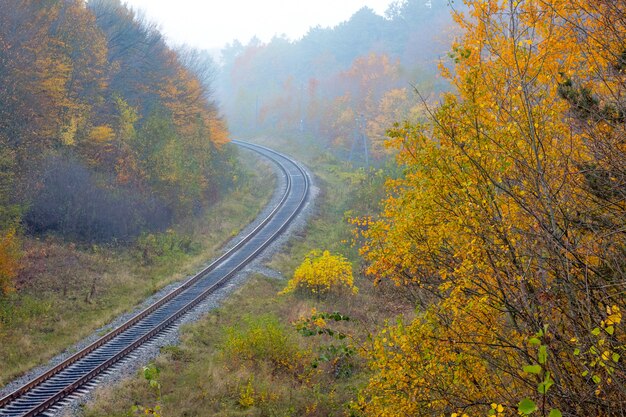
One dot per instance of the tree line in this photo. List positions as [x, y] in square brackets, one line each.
[105, 130]
[337, 85]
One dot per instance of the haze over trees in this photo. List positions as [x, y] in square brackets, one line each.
[337, 83]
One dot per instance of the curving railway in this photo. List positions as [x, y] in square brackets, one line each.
[52, 387]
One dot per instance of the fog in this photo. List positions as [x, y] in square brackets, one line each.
[339, 88]
[211, 25]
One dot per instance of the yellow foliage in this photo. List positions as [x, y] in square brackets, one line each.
[9, 261]
[127, 117]
[102, 134]
[508, 213]
[321, 273]
[246, 394]
[68, 132]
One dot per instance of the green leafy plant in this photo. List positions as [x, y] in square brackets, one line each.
[151, 375]
[261, 338]
[339, 354]
[527, 406]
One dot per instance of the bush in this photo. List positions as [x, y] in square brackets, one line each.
[164, 245]
[69, 201]
[262, 338]
[321, 273]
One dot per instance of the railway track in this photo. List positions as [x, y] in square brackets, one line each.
[53, 386]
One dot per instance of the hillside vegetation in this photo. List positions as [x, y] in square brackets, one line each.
[114, 169]
[105, 131]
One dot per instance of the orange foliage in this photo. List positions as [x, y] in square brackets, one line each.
[9, 261]
[70, 83]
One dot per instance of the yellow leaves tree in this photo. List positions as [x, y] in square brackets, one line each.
[396, 104]
[510, 210]
[368, 93]
[321, 273]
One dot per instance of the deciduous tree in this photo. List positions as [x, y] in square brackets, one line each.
[509, 220]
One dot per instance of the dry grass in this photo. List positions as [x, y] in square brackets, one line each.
[206, 376]
[64, 292]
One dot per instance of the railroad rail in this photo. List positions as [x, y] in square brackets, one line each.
[51, 387]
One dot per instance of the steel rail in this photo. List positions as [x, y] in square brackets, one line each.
[66, 390]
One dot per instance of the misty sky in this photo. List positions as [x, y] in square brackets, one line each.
[206, 24]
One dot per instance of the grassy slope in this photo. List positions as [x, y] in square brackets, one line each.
[54, 309]
[214, 373]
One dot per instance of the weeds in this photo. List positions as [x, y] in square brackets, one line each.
[262, 339]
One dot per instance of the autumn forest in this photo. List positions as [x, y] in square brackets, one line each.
[466, 253]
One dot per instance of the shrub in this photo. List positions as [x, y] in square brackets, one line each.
[9, 257]
[164, 245]
[320, 274]
[262, 338]
[69, 201]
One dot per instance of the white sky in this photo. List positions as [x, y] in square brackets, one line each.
[211, 24]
